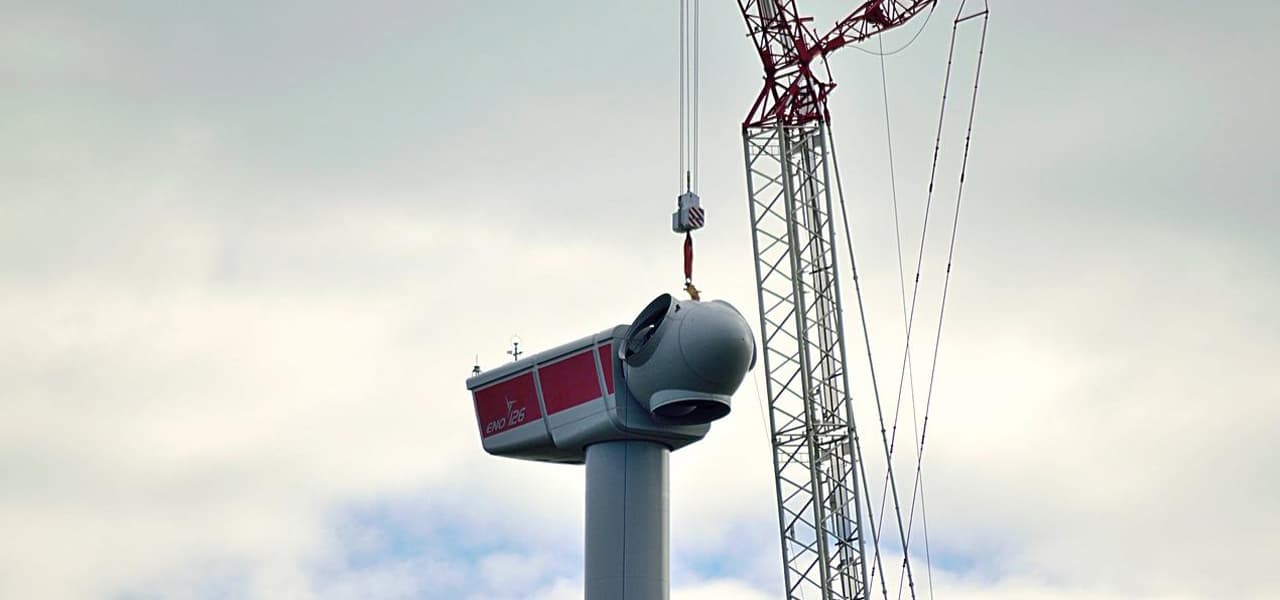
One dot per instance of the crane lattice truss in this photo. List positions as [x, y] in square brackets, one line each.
[804, 358]
[786, 142]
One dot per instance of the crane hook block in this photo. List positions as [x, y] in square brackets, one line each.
[688, 215]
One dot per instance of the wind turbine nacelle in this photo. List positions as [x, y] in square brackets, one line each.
[663, 379]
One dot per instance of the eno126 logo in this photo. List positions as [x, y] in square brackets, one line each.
[514, 416]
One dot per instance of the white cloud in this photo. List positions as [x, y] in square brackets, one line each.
[719, 590]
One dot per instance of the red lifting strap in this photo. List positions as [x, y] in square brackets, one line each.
[688, 257]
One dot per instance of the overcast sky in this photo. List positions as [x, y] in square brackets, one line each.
[249, 253]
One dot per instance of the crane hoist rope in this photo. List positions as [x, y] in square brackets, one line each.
[689, 214]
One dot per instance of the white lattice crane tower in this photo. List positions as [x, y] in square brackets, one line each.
[787, 143]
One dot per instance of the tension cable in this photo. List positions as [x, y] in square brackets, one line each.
[918, 485]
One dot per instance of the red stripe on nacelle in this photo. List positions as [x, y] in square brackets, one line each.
[506, 404]
[570, 382]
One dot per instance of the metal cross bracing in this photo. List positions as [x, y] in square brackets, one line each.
[807, 385]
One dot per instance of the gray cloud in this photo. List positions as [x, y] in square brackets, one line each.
[248, 254]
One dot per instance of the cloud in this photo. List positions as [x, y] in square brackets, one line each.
[247, 259]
